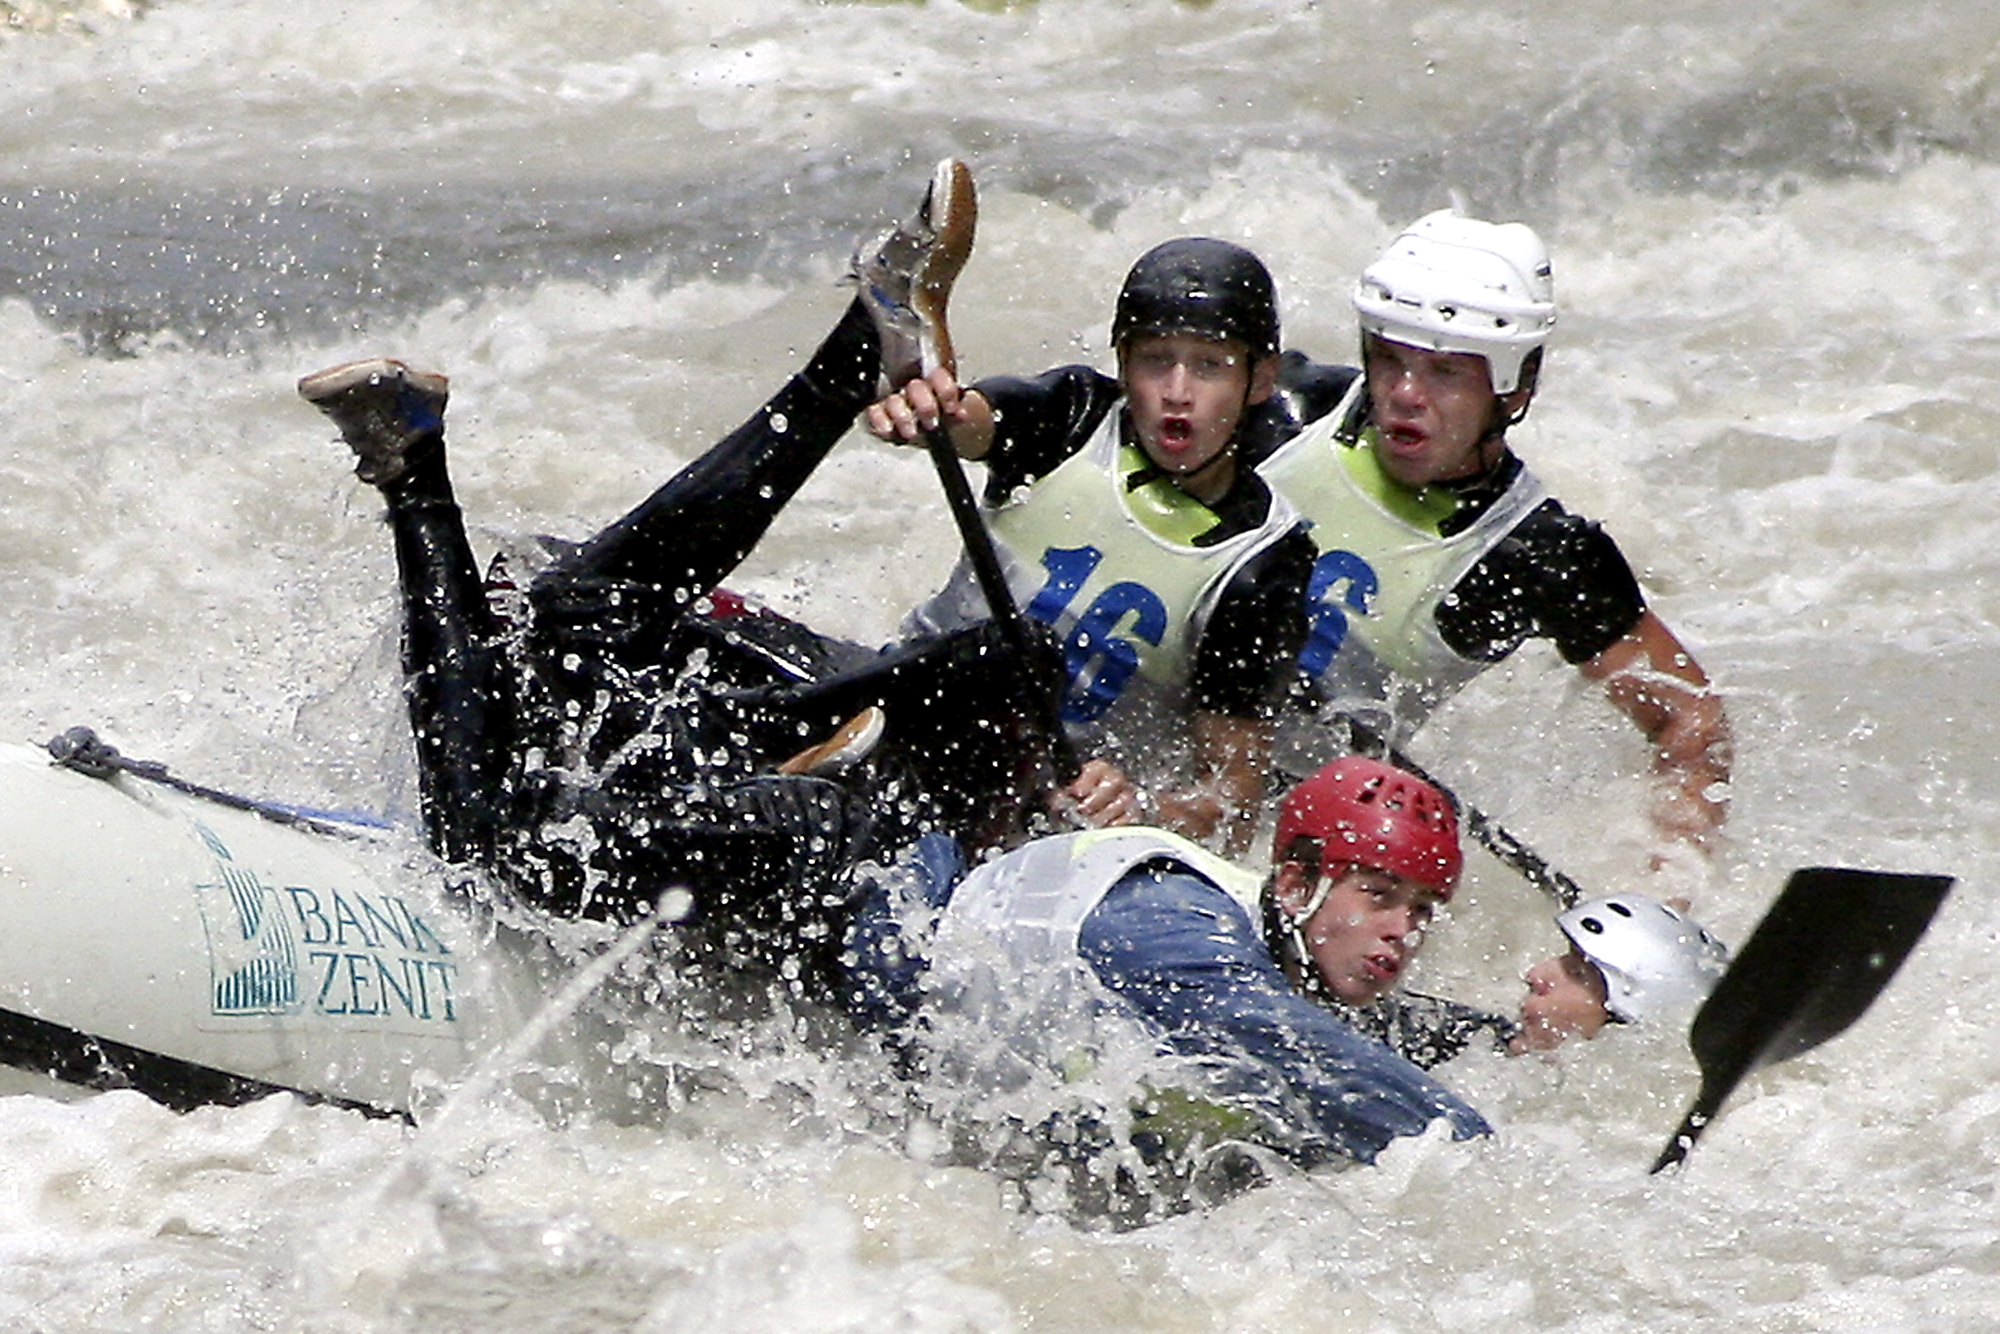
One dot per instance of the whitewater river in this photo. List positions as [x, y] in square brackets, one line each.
[618, 225]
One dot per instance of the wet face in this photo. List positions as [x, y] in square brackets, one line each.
[1366, 931]
[1566, 999]
[1186, 395]
[1437, 418]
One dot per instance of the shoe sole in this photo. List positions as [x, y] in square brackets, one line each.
[376, 430]
[951, 211]
[853, 742]
[330, 383]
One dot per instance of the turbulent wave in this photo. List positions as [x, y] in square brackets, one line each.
[618, 224]
[230, 170]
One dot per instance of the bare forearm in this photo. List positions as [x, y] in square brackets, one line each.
[1657, 683]
[1693, 751]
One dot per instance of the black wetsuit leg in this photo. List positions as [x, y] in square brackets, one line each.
[581, 756]
[622, 595]
[459, 686]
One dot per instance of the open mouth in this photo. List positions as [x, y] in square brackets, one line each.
[1383, 967]
[1404, 439]
[1176, 430]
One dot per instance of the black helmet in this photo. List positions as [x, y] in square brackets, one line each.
[1200, 286]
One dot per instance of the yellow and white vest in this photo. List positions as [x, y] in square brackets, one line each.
[1117, 575]
[1035, 898]
[1383, 569]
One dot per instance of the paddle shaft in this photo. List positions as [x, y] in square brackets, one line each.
[986, 569]
[1485, 830]
[1706, 1104]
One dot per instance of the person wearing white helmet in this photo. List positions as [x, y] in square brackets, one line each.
[1632, 959]
[1440, 553]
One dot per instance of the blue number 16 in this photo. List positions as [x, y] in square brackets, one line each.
[1093, 639]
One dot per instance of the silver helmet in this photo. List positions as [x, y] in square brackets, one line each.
[1451, 283]
[1654, 960]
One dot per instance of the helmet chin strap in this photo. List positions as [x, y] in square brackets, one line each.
[1310, 982]
[1316, 902]
[1525, 381]
[1287, 939]
[1225, 455]
[1293, 925]
[1492, 442]
[1491, 446]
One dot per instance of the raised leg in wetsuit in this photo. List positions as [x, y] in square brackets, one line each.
[591, 759]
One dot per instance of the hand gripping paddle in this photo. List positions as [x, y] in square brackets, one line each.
[1819, 958]
[950, 213]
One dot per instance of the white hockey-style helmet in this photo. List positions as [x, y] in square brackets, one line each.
[1654, 960]
[1451, 283]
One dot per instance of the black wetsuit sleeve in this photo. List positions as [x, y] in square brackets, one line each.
[1248, 656]
[1038, 421]
[1557, 577]
[1427, 1031]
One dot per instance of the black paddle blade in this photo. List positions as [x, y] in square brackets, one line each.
[1819, 958]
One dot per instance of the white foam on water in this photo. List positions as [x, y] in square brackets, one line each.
[1773, 382]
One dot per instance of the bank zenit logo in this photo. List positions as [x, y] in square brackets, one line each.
[333, 953]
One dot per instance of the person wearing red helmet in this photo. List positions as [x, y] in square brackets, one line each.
[1073, 949]
[1364, 856]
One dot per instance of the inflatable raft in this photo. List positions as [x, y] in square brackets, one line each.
[201, 954]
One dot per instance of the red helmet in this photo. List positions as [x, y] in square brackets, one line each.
[1372, 814]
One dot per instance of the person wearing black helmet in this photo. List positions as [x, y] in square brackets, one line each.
[1125, 522]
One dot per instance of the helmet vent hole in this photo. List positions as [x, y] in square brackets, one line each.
[1620, 909]
[1592, 925]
